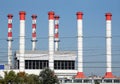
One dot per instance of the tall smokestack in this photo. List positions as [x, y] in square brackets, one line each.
[108, 46]
[56, 33]
[80, 73]
[34, 17]
[22, 40]
[51, 39]
[10, 40]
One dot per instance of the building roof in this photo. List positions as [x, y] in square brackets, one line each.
[46, 52]
[44, 55]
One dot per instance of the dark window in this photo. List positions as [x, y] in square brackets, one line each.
[59, 65]
[17, 64]
[30, 67]
[36, 64]
[64, 64]
[40, 65]
[117, 81]
[27, 65]
[108, 81]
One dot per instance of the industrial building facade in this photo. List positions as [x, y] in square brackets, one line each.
[64, 60]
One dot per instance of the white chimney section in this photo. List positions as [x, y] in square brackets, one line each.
[80, 73]
[56, 33]
[34, 17]
[51, 39]
[10, 40]
[22, 40]
[108, 46]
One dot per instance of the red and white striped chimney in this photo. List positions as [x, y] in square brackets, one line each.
[51, 39]
[22, 40]
[56, 33]
[80, 73]
[34, 17]
[108, 46]
[10, 16]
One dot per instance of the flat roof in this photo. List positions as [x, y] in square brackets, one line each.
[46, 52]
[44, 55]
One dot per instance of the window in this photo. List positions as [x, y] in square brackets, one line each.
[108, 80]
[64, 64]
[33, 64]
[17, 64]
[36, 64]
[117, 81]
[27, 64]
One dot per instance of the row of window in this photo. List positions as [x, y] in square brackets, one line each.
[41, 64]
[36, 64]
[64, 64]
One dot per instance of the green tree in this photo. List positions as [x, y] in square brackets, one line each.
[96, 82]
[24, 78]
[47, 76]
[19, 78]
[33, 79]
[9, 77]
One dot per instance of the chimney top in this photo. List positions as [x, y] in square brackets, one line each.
[51, 15]
[79, 15]
[34, 16]
[9, 16]
[108, 16]
[22, 12]
[22, 15]
[56, 17]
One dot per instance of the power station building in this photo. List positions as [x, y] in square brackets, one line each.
[53, 58]
[64, 63]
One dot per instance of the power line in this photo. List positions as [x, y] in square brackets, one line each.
[63, 37]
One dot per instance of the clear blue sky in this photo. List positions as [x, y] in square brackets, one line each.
[93, 26]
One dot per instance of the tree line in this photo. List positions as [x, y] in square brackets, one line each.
[46, 76]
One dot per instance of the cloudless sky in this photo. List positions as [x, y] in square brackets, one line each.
[93, 28]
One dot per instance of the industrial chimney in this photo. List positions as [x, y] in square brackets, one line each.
[57, 33]
[51, 39]
[10, 40]
[22, 40]
[34, 17]
[108, 46]
[80, 73]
